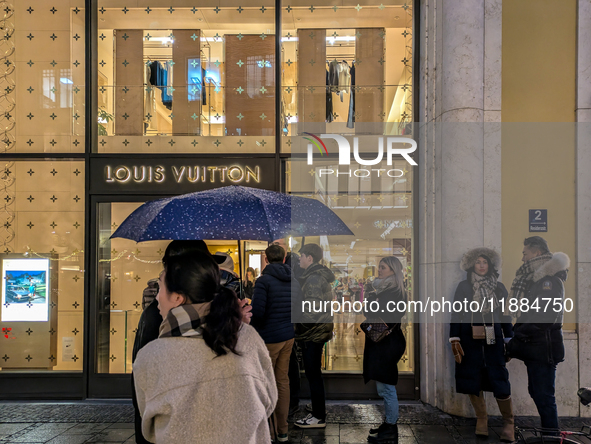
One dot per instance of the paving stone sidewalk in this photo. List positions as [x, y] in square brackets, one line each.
[347, 423]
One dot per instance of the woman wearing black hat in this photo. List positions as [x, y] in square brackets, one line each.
[478, 337]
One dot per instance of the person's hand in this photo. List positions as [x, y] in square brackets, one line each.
[458, 351]
[246, 311]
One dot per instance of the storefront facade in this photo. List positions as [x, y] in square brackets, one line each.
[111, 103]
[88, 136]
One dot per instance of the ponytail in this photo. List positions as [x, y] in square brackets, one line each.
[221, 325]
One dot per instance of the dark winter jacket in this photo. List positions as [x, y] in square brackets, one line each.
[380, 359]
[248, 288]
[271, 303]
[538, 335]
[483, 366]
[147, 331]
[316, 283]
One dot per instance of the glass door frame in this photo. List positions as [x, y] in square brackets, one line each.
[103, 385]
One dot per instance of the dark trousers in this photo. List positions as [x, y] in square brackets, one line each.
[312, 355]
[294, 378]
[541, 378]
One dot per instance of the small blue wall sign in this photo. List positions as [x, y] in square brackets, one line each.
[538, 221]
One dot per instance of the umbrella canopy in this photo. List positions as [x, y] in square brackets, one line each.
[234, 212]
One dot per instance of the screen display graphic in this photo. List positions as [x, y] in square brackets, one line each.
[25, 284]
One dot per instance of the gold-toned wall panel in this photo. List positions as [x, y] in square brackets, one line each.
[311, 80]
[44, 209]
[369, 79]
[129, 80]
[250, 85]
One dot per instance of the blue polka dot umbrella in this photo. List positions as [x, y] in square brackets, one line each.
[232, 213]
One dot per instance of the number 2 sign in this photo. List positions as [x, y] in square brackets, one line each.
[538, 221]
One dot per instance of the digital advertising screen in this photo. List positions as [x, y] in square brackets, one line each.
[25, 290]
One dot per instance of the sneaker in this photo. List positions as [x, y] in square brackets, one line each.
[293, 410]
[374, 432]
[310, 422]
[282, 437]
[309, 407]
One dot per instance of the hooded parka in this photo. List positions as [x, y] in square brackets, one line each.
[483, 366]
[538, 334]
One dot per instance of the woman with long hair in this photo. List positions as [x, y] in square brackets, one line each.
[380, 359]
[193, 382]
[480, 354]
[248, 283]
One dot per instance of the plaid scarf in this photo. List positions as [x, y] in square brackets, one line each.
[184, 320]
[485, 289]
[523, 278]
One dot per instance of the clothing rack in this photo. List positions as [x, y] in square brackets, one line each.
[340, 58]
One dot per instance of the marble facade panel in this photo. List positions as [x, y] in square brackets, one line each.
[584, 327]
[584, 55]
[583, 179]
[492, 186]
[462, 196]
[493, 38]
[463, 54]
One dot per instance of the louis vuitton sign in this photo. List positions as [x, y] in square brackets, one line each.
[178, 175]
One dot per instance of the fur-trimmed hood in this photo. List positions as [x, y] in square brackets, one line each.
[471, 256]
[559, 262]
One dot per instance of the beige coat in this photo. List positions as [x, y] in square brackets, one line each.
[187, 395]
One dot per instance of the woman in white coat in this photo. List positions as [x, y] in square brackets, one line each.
[208, 377]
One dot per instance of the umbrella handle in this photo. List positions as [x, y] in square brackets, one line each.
[241, 294]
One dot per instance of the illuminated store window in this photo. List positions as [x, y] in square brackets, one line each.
[42, 265]
[186, 79]
[347, 69]
[379, 211]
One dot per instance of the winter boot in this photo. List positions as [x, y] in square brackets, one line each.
[374, 432]
[506, 408]
[481, 416]
[387, 434]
